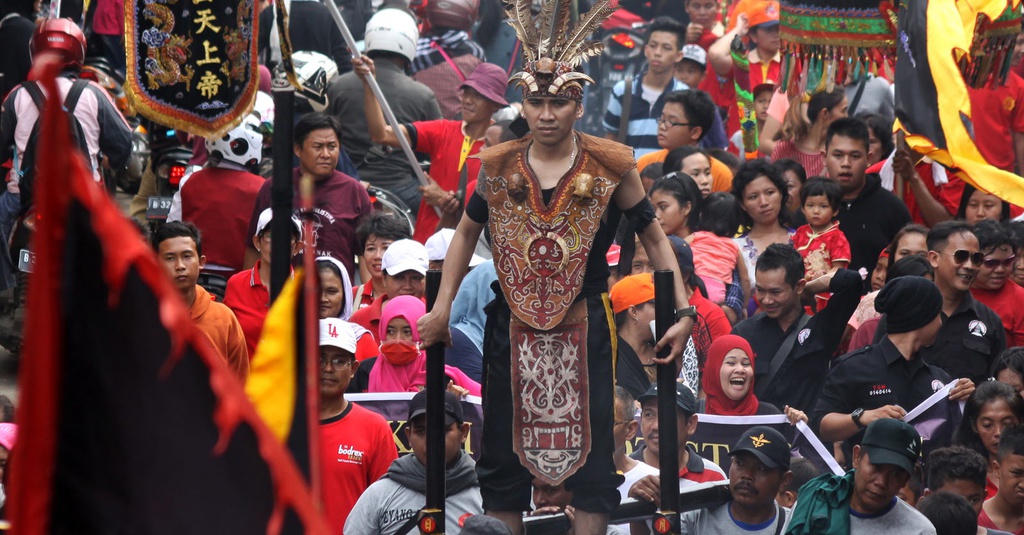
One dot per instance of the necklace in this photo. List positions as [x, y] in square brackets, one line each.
[572, 155]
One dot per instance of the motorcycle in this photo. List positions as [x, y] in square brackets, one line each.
[623, 57]
[12, 300]
[168, 158]
[389, 203]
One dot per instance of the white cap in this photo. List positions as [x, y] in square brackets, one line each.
[337, 333]
[405, 255]
[695, 54]
[437, 247]
[267, 215]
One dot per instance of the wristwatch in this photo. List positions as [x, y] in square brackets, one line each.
[856, 414]
[688, 312]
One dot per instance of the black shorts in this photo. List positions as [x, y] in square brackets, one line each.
[505, 484]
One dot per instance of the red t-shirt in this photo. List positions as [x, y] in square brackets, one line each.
[711, 323]
[362, 295]
[997, 114]
[985, 522]
[442, 140]
[708, 38]
[218, 200]
[368, 317]
[947, 194]
[249, 299]
[367, 347]
[1006, 302]
[356, 448]
[723, 91]
[813, 164]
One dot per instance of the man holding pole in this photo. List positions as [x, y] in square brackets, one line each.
[449, 143]
[553, 201]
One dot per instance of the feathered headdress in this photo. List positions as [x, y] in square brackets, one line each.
[552, 51]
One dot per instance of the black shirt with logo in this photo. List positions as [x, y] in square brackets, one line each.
[873, 377]
[798, 382]
[968, 342]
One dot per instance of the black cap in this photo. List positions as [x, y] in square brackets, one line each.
[485, 525]
[685, 400]
[890, 441]
[452, 407]
[684, 254]
[767, 444]
[909, 303]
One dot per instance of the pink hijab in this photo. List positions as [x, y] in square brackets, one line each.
[386, 377]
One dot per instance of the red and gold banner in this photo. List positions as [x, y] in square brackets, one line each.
[192, 63]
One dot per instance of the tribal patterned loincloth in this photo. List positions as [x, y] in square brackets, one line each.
[551, 397]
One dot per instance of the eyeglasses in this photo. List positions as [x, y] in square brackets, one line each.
[993, 263]
[337, 362]
[665, 123]
[960, 256]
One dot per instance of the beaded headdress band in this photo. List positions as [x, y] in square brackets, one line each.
[552, 51]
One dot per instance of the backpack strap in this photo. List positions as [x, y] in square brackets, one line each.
[37, 96]
[782, 519]
[70, 102]
[74, 94]
[39, 100]
[761, 386]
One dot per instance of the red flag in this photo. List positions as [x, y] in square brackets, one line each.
[129, 420]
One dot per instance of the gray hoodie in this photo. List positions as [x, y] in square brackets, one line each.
[399, 495]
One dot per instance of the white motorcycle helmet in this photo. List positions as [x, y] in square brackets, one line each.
[314, 71]
[392, 30]
[263, 109]
[242, 145]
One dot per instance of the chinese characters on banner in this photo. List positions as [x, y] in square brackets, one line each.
[192, 63]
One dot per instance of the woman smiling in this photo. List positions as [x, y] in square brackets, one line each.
[728, 382]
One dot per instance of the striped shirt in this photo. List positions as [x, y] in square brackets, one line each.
[642, 133]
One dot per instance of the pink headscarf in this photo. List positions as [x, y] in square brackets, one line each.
[386, 377]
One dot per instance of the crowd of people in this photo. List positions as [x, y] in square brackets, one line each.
[830, 275]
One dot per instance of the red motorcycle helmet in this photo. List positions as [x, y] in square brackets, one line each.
[63, 37]
[454, 14]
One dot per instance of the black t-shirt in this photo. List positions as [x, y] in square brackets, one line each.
[595, 279]
[798, 382]
[870, 222]
[629, 371]
[968, 341]
[873, 377]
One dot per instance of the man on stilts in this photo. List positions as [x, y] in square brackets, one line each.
[553, 201]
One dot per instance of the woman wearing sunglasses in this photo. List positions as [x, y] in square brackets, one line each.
[992, 285]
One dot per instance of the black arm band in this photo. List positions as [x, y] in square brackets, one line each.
[640, 215]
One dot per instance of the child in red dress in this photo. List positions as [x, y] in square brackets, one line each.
[821, 243]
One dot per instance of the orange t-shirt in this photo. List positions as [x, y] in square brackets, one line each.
[721, 175]
[221, 327]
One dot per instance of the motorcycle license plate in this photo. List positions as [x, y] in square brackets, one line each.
[26, 261]
[157, 208]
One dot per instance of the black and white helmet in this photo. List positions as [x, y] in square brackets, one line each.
[314, 71]
[242, 145]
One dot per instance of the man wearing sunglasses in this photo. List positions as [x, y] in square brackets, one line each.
[971, 336]
[992, 286]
